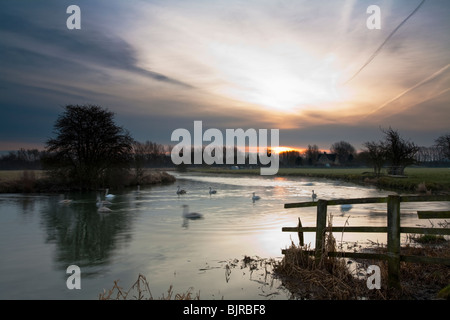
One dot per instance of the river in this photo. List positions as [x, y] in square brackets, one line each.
[145, 234]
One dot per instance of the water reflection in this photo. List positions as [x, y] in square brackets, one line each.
[82, 235]
[147, 233]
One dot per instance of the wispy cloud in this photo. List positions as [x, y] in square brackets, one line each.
[420, 98]
[232, 63]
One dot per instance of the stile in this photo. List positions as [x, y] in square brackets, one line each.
[321, 227]
[393, 241]
[300, 233]
[433, 214]
[393, 231]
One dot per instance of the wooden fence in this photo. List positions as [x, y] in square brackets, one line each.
[393, 230]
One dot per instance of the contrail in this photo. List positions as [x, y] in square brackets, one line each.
[440, 71]
[385, 41]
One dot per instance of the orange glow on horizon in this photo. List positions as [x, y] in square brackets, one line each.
[282, 149]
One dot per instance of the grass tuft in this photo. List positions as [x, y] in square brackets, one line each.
[140, 290]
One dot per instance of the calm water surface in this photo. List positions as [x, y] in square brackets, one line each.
[146, 234]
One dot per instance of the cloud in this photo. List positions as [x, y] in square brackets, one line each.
[89, 48]
[416, 86]
[160, 65]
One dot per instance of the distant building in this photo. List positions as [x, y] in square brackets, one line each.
[327, 159]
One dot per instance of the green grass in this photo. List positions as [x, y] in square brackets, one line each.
[434, 179]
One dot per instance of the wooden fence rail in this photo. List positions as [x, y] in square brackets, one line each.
[393, 230]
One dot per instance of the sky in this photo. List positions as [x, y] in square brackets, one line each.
[312, 69]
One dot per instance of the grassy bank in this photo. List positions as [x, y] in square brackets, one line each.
[36, 181]
[416, 179]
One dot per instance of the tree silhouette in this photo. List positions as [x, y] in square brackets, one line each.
[344, 151]
[399, 152]
[88, 148]
[376, 153]
[443, 143]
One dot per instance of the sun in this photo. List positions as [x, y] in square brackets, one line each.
[283, 79]
[279, 150]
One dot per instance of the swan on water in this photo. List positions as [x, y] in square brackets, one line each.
[211, 191]
[255, 197]
[108, 195]
[180, 191]
[103, 209]
[190, 215]
[138, 189]
[314, 196]
[64, 201]
[345, 208]
[102, 202]
[100, 206]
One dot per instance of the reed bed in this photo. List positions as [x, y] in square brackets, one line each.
[336, 278]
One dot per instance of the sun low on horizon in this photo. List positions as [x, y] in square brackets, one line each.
[287, 69]
[314, 70]
[283, 149]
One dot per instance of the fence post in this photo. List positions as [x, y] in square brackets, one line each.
[321, 224]
[393, 241]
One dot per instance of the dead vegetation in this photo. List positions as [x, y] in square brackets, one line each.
[140, 290]
[327, 278]
[336, 278]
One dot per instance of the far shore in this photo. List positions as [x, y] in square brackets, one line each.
[416, 179]
[37, 181]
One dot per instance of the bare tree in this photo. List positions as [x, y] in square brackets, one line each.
[399, 152]
[88, 146]
[377, 155]
[312, 154]
[443, 143]
[344, 151]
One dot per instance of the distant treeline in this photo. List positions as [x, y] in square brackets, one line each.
[23, 159]
[426, 156]
[153, 155]
[144, 155]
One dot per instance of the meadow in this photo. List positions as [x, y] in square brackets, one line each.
[416, 179]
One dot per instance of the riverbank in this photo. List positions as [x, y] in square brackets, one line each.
[340, 279]
[416, 179]
[37, 181]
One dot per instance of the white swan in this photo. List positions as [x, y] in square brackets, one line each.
[108, 195]
[100, 206]
[102, 202]
[103, 209]
[211, 191]
[190, 215]
[65, 201]
[180, 191]
[345, 208]
[255, 197]
[314, 196]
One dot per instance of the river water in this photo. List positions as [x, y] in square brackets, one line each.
[145, 234]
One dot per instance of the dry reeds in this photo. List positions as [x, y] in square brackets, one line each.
[422, 188]
[308, 278]
[331, 278]
[140, 290]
